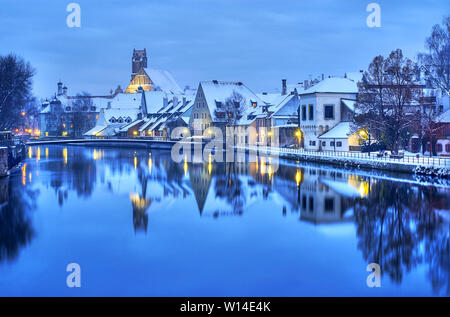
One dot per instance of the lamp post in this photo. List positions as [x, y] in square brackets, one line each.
[298, 133]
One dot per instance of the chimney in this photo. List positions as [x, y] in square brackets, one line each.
[305, 84]
[165, 101]
[283, 87]
[60, 88]
[175, 101]
[323, 76]
[184, 101]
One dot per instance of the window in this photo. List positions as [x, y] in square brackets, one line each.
[329, 204]
[447, 147]
[312, 143]
[441, 108]
[338, 143]
[328, 112]
[304, 202]
[304, 113]
[324, 143]
[93, 108]
[332, 143]
[311, 203]
[439, 147]
[311, 112]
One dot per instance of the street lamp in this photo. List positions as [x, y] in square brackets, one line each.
[298, 134]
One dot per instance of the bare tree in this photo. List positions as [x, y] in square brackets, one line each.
[15, 89]
[387, 98]
[231, 110]
[81, 105]
[435, 63]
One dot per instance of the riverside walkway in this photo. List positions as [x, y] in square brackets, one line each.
[407, 163]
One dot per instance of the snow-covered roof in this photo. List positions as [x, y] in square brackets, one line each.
[333, 85]
[125, 101]
[272, 99]
[287, 107]
[444, 117]
[95, 130]
[163, 80]
[350, 104]
[341, 131]
[219, 91]
[130, 125]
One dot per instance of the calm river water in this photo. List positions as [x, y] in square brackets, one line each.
[139, 224]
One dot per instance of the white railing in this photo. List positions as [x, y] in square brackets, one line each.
[406, 159]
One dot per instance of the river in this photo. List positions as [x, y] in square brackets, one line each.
[139, 224]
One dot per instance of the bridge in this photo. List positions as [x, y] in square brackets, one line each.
[140, 143]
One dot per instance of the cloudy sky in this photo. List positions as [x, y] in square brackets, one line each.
[257, 42]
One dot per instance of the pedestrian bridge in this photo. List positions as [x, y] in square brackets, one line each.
[142, 143]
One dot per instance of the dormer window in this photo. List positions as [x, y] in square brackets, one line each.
[218, 104]
[93, 108]
[67, 108]
[85, 108]
[120, 120]
[254, 104]
[112, 120]
[128, 120]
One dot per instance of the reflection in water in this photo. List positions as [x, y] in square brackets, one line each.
[399, 224]
[16, 231]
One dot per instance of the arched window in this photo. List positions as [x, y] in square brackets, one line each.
[112, 120]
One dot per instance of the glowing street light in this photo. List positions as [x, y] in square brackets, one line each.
[298, 134]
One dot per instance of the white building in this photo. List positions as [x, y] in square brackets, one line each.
[322, 108]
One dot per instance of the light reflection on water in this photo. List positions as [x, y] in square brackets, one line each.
[140, 224]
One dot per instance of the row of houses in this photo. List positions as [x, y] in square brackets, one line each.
[313, 114]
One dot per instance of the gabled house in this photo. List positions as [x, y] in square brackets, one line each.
[208, 108]
[120, 111]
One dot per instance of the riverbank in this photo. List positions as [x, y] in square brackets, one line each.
[418, 165]
[434, 167]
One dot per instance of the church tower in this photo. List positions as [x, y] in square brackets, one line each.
[138, 61]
